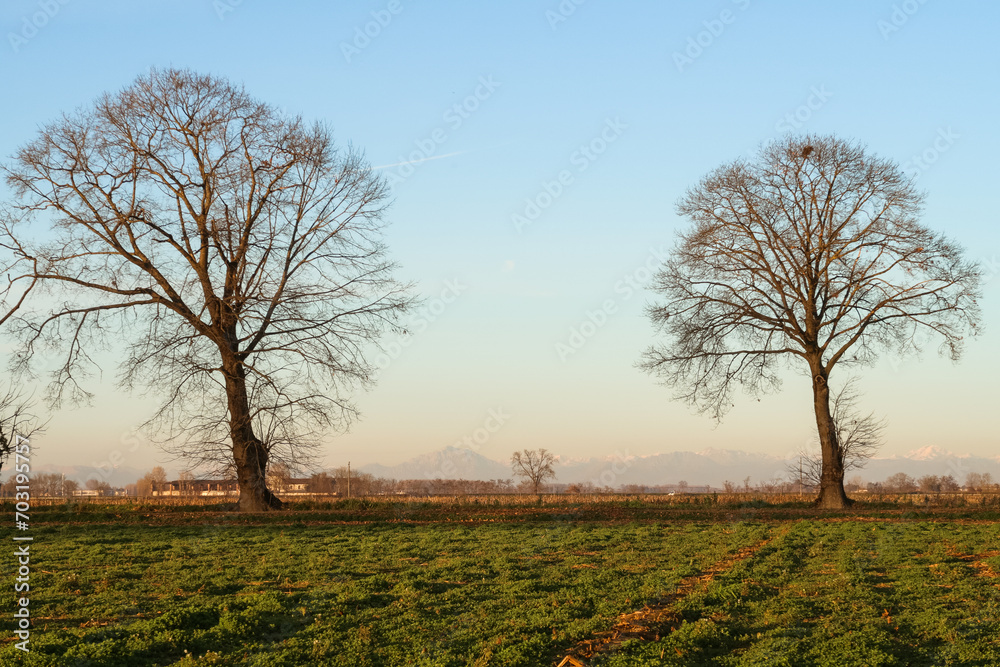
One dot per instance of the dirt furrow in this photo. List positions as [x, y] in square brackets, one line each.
[658, 617]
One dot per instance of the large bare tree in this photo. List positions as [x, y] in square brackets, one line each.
[813, 251]
[236, 253]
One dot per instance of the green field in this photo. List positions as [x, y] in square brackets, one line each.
[413, 585]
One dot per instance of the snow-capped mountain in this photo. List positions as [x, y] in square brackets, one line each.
[709, 467]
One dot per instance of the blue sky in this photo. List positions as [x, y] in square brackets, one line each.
[627, 104]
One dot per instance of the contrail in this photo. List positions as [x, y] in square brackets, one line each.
[426, 159]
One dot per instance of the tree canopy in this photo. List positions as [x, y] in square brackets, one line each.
[812, 252]
[234, 252]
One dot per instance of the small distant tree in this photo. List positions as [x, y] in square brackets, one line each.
[279, 476]
[151, 481]
[320, 482]
[979, 481]
[858, 437]
[899, 483]
[502, 485]
[856, 483]
[929, 484]
[949, 484]
[361, 483]
[534, 466]
[102, 487]
[70, 487]
[186, 480]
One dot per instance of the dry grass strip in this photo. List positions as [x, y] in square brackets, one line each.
[657, 618]
[975, 561]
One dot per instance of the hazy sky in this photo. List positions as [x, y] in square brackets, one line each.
[627, 104]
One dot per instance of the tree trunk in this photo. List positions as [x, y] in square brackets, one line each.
[249, 453]
[831, 487]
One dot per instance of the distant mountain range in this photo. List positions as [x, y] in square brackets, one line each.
[711, 466]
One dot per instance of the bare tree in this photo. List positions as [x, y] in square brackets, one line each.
[320, 482]
[103, 488]
[17, 423]
[855, 483]
[858, 437]
[279, 476]
[236, 250]
[899, 483]
[949, 484]
[811, 253]
[151, 481]
[46, 484]
[534, 466]
[186, 481]
[979, 481]
[929, 484]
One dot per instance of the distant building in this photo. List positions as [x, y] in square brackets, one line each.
[196, 487]
[291, 487]
[222, 487]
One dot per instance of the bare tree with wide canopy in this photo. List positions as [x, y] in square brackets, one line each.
[236, 251]
[812, 251]
[534, 466]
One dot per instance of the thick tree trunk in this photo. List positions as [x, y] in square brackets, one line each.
[249, 453]
[831, 488]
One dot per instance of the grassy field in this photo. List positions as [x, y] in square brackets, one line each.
[353, 583]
